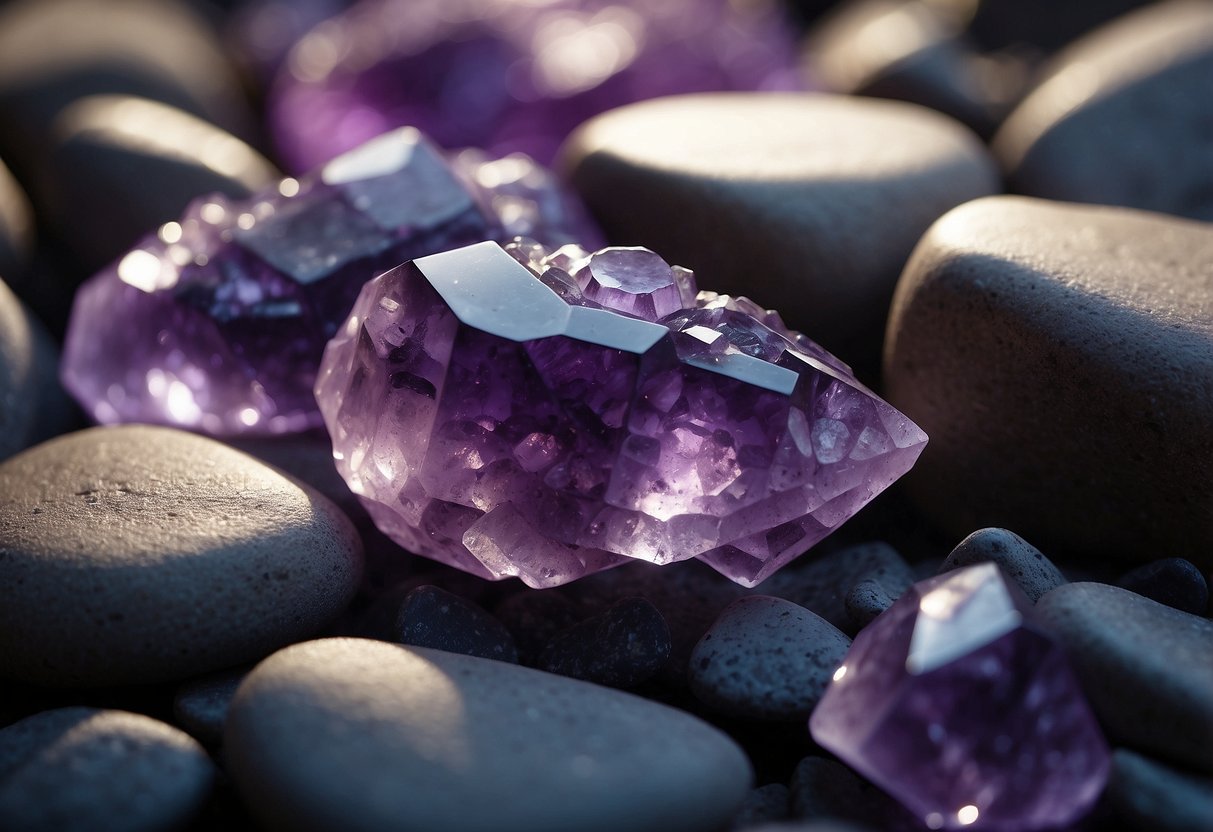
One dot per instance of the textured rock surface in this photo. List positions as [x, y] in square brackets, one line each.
[87, 770]
[1016, 557]
[1154, 797]
[810, 203]
[1172, 581]
[1144, 666]
[217, 322]
[1104, 314]
[766, 658]
[955, 703]
[1122, 116]
[352, 734]
[140, 554]
[432, 617]
[513, 76]
[622, 647]
[501, 415]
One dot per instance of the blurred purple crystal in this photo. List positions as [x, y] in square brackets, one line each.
[510, 76]
[217, 322]
[547, 415]
[954, 704]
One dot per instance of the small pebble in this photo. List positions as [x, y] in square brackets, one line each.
[763, 805]
[866, 600]
[200, 705]
[623, 647]
[825, 789]
[140, 554]
[1018, 559]
[83, 769]
[432, 617]
[1154, 797]
[534, 618]
[1144, 667]
[766, 658]
[1172, 581]
[355, 734]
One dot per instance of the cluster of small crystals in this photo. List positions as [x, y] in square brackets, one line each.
[547, 415]
[217, 322]
[510, 76]
[954, 704]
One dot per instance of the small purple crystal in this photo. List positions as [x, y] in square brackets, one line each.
[954, 704]
[510, 76]
[515, 412]
[217, 322]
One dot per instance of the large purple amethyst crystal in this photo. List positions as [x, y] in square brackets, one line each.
[514, 412]
[511, 76]
[217, 322]
[952, 702]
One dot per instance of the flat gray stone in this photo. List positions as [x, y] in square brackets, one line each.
[805, 202]
[82, 769]
[141, 554]
[355, 734]
[1154, 797]
[766, 658]
[1145, 667]
[1018, 559]
[1060, 357]
[1121, 117]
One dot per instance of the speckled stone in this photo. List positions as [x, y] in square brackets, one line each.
[1122, 117]
[364, 735]
[866, 600]
[82, 769]
[621, 647]
[1172, 581]
[1150, 796]
[766, 658]
[1144, 667]
[806, 202]
[141, 554]
[200, 705]
[1059, 357]
[1017, 558]
[429, 616]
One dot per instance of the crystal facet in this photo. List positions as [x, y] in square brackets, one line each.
[546, 415]
[510, 76]
[952, 702]
[217, 322]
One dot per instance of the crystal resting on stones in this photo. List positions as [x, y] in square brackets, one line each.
[953, 703]
[217, 322]
[547, 415]
[510, 76]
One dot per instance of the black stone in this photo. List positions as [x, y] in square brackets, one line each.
[432, 617]
[1172, 581]
[623, 647]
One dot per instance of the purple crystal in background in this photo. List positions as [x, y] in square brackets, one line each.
[510, 76]
[217, 322]
[547, 415]
[954, 704]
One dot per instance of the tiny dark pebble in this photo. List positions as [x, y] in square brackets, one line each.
[534, 618]
[1172, 581]
[621, 648]
[432, 617]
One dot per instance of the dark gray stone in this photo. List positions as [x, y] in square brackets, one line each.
[534, 618]
[119, 166]
[200, 705]
[822, 583]
[1060, 357]
[766, 658]
[141, 554]
[1172, 581]
[1144, 667]
[82, 769]
[1037, 25]
[866, 600]
[622, 647]
[1154, 797]
[762, 806]
[1018, 559]
[825, 789]
[432, 617]
[363, 735]
[808, 203]
[1122, 116]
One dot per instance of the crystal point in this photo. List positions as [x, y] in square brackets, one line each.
[956, 705]
[543, 406]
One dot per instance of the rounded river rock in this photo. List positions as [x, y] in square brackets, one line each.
[356, 734]
[141, 554]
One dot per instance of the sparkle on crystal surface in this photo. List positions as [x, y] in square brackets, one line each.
[951, 702]
[493, 415]
[217, 323]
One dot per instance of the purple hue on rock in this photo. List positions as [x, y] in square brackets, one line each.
[511, 76]
[956, 704]
[492, 416]
[217, 322]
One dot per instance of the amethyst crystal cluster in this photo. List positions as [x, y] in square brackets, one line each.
[217, 322]
[547, 415]
[956, 705]
[514, 76]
